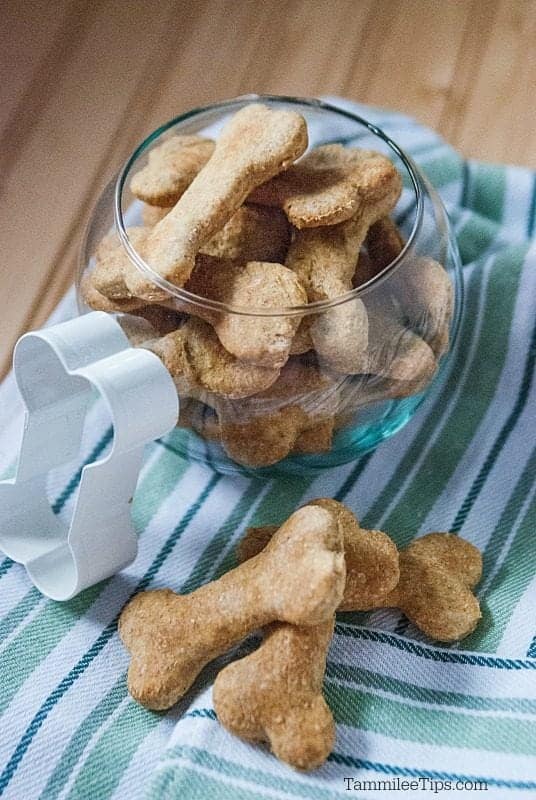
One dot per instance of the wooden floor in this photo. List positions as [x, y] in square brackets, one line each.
[82, 82]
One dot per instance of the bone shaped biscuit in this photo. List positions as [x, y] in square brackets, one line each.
[437, 574]
[426, 294]
[398, 364]
[372, 569]
[325, 260]
[302, 341]
[171, 168]
[383, 244]
[115, 274]
[328, 185]
[261, 430]
[255, 145]
[298, 578]
[401, 361]
[194, 354]
[260, 441]
[422, 286]
[317, 439]
[261, 340]
[275, 694]
[162, 319]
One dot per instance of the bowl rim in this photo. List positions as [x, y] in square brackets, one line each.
[300, 310]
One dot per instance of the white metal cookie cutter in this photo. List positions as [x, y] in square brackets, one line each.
[57, 370]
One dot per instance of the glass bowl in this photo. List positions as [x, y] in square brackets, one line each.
[361, 360]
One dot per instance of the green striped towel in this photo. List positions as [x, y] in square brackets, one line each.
[407, 709]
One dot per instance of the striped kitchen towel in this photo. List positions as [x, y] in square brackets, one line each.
[410, 714]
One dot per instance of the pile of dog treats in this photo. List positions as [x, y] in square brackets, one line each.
[290, 582]
[238, 222]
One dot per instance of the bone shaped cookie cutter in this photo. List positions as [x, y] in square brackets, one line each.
[57, 370]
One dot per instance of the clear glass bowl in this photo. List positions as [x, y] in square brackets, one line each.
[337, 396]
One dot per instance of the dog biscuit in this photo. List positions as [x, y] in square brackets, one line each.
[426, 294]
[299, 578]
[372, 561]
[261, 340]
[194, 354]
[430, 582]
[253, 233]
[325, 260]
[261, 430]
[437, 575]
[317, 439]
[255, 145]
[400, 360]
[329, 185]
[275, 694]
[422, 286]
[116, 277]
[100, 302]
[302, 341]
[171, 168]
